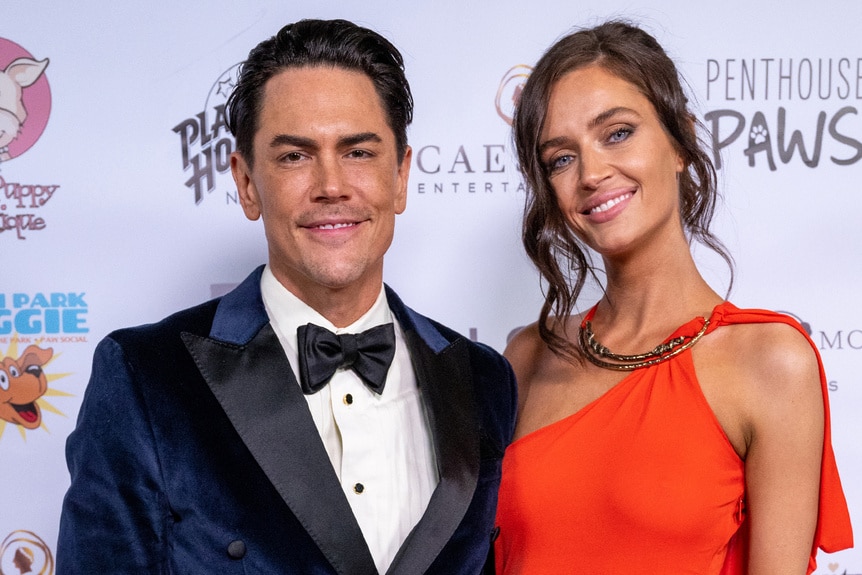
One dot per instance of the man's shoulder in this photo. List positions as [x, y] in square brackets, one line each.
[452, 336]
[437, 335]
[196, 320]
[234, 315]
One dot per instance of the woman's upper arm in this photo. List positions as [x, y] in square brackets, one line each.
[786, 418]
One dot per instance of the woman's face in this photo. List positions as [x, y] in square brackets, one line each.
[612, 165]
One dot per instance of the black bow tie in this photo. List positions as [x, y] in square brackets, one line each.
[322, 352]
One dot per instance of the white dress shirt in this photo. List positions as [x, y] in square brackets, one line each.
[380, 446]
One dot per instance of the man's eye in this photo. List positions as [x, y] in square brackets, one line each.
[292, 157]
[358, 154]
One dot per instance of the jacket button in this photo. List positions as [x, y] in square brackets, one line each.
[236, 549]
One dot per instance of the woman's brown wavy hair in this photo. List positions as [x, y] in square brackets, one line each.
[635, 56]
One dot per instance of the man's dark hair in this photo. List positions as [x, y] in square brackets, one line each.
[332, 43]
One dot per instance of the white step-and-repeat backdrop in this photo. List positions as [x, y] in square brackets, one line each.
[117, 206]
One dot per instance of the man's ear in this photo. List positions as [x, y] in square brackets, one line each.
[403, 177]
[249, 198]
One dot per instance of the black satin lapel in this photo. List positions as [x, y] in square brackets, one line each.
[257, 390]
[447, 387]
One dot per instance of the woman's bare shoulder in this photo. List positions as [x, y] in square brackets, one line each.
[770, 373]
[775, 355]
[526, 348]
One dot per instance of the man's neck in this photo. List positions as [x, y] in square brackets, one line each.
[343, 305]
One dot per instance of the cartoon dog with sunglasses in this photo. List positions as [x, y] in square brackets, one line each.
[22, 383]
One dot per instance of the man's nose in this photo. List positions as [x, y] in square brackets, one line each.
[331, 179]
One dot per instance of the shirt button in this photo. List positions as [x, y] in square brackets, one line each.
[348, 399]
[358, 488]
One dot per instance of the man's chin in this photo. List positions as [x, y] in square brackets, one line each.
[333, 278]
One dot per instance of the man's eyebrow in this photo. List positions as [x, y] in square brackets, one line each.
[360, 138]
[291, 140]
[308, 143]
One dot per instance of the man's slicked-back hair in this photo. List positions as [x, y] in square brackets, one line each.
[327, 43]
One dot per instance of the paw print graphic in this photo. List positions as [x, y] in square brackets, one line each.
[758, 134]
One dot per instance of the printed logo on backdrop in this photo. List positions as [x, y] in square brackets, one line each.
[841, 339]
[206, 144]
[449, 169]
[786, 111]
[24, 552]
[509, 91]
[26, 384]
[25, 105]
[33, 328]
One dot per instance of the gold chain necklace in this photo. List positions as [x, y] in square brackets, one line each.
[598, 354]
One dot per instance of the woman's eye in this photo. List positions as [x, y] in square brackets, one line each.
[620, 135]
[561, 162]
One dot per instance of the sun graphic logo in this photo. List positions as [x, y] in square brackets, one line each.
[25, 99]
[25, 552]
[509, 91]
[24, 387]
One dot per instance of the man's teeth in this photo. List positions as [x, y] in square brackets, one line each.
[334, 226]
[609, 204]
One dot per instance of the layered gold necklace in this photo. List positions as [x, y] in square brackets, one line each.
[603, 357]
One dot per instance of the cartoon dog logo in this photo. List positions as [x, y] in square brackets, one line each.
[22, 383]
[19, 74]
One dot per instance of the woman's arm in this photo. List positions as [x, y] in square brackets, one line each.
[785, 415]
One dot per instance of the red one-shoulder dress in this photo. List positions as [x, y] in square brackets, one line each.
[643, 480]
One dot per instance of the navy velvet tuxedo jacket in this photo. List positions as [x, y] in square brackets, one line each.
[195, 452]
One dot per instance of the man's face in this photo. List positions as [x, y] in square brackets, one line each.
[326, 180]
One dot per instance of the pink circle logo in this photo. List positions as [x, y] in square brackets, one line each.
[25, 99]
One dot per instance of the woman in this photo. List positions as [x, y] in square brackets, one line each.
[708, 454]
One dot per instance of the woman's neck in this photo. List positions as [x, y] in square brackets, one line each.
[648, 298]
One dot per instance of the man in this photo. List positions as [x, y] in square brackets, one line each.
[220, 441]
